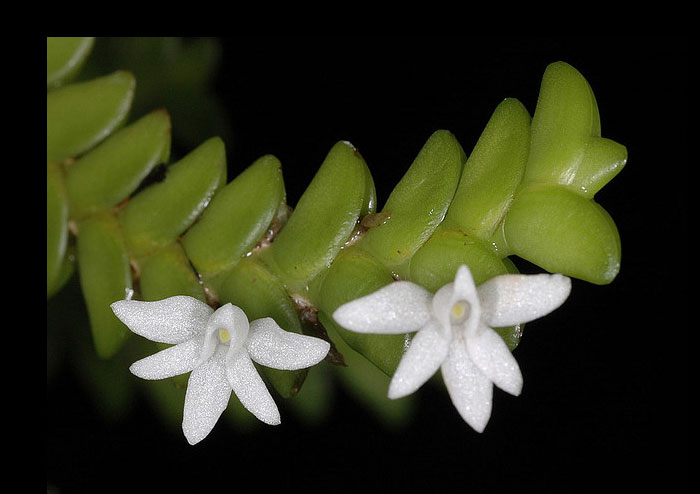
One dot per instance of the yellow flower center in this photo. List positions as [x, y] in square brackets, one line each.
[460, 311]
[224, 335]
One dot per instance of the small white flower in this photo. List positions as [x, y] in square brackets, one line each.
[219, 348]
[454, 332]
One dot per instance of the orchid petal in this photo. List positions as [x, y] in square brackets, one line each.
[512, 299]
[399, 307]
[272, 346]
[207, 396]
[172, 320]
[442, 304]
[470, 390]
[172, 361]
[464, 287]
[491, 355]
[249, 387]
[422, 359]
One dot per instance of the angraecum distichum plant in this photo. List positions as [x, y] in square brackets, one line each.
[224, 297]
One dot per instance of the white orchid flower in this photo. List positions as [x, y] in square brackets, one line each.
[219, 348]
[454, 332]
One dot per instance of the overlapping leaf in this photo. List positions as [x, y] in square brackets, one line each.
[105, 276]
[80, 115]
[554, 221]
[326, 215]
[65, 57]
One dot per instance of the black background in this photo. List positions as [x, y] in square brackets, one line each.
[605, 399]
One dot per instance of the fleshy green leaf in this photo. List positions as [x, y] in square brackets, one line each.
[166, 273]
[419, 202]
[237, 218]
[566, 146]
[553, 220]
[80, 115]
[353, 274]
[64, 57]
[105, 277]
[324, 218]
[252, 287]
[160, 213]
[260, 294]
[563, 232]
[436, 262]
[602, 161]
[492, 172]
[56, 225]
[107, 174]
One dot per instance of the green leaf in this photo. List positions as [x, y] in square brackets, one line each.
[436, 262]
[56, 225]
[250, 286]
[354, 274]
[114, 169]
[237, 218]
[419, 202]
[553, 221]
[325, 217]
[160, 213]
[492, 172]
[105, 276]
[80, 115]
[602, 160]
[166, 273]
[64, 57]
[563, 232]
[566, 146]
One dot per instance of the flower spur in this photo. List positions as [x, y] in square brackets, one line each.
[454, 332]
[218, 348]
